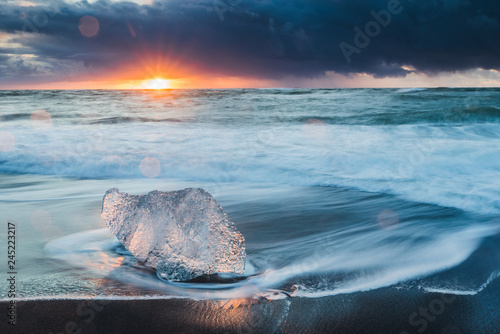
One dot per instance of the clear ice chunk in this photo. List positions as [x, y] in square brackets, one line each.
[182, 234]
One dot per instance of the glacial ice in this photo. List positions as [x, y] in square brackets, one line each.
[182, 234]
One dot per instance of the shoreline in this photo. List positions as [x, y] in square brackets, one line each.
[385, 310]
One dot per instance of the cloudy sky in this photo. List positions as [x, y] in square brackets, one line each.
[249, 43]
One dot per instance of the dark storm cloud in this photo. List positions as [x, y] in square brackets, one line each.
[266, 39]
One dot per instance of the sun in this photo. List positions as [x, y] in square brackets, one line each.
[156, 84]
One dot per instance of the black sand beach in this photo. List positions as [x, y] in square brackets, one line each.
[387, 310]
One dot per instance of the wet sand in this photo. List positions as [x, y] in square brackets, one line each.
[386, 310]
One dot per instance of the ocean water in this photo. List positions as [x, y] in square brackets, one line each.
[336, 191]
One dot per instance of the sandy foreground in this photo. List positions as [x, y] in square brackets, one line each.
[387, 310]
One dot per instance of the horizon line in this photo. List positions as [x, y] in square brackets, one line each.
[249, 88]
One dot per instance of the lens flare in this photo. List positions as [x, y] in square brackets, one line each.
[150, 167]
[41, 119]
[388, 219]
[88, 26]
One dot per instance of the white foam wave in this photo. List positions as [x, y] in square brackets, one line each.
[483, 286]
[367, 261]
[381, 265]
[453, 166]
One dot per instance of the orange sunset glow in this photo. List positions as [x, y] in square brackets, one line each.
[143, 47]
